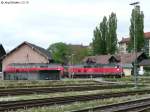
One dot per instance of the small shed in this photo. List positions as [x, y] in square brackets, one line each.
[127, 69]
[146, 65]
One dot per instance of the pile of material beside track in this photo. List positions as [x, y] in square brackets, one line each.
[24, 91]
[14, 105]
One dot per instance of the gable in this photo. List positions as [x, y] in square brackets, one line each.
[24, 54]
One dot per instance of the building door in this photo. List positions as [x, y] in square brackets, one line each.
[49, 75]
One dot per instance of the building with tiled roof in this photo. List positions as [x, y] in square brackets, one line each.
[29, 62]
[26, 53]
[129, 58]
[147, 35]
[124, 43]
[124, 40]
[121, 58]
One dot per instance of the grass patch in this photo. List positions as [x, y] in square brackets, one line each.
[131, 79]
[19, 83]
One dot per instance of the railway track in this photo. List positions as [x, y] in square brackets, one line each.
[60, 85]
[140, 105]
[25, 91]
[53, 84]
[57, 85]
[24, 104]
[146, 109]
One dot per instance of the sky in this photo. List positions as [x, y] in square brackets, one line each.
[44, 22]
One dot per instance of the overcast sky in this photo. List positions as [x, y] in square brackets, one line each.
[44, 22]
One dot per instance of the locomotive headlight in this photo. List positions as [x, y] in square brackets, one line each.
[118, 69]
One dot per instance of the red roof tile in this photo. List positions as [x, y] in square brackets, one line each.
[128, 57]
[147, 35]
[126, 40]
[122, 58]
[101, 59]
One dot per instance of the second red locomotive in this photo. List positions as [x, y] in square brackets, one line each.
[95, 70]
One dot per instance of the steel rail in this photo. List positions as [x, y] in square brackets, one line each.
[48, 85]
[14, 105]
[25, 91]
[129, 106]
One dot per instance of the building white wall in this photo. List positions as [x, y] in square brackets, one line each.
[127, 71]
[123, 47]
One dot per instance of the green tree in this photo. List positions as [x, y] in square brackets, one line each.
[105, 36]
[100, 36]
[60, 52]
[78, 52]
[90, 50]
[136, 29]
[112, 34]
[96, 44]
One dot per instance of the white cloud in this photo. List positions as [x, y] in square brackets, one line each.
[44, 22]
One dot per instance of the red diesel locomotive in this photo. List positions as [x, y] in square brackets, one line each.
[55, 72]
[83, 71]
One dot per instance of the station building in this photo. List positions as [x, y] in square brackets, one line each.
[30, 62]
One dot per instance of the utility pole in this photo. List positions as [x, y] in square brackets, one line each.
[72, 60]
[135, 47]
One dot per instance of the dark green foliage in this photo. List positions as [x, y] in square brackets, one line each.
[78, 53]
[105, 37]
[90, 50]
[136, 28]
[60, 52]
[96, 45]
[68, 54]
[112, 35]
